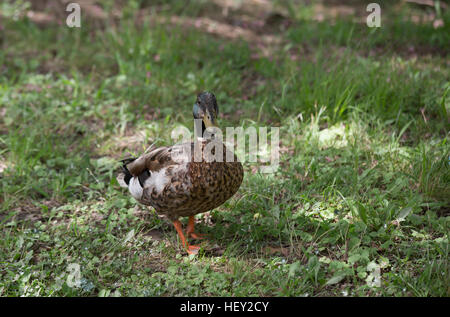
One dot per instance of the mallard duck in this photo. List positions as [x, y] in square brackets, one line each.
[177, 184]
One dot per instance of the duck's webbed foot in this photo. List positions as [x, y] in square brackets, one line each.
[191, 249]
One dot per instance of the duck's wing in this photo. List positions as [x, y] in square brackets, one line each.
[152, 161]
[159, 158]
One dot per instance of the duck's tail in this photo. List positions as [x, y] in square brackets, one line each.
[124, 177]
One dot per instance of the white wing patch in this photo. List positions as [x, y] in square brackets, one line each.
[157, 180]
[135, 188]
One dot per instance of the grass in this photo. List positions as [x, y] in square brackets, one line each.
[359, 205]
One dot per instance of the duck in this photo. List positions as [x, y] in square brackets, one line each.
[186, 179]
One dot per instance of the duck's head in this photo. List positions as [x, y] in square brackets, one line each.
[206, 109]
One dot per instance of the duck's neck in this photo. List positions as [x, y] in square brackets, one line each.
[200, 130]
[203, 128]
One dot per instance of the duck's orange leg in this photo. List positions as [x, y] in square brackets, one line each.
[190, 229]
[191, 249]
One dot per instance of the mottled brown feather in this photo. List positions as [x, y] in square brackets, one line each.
[193, 187]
